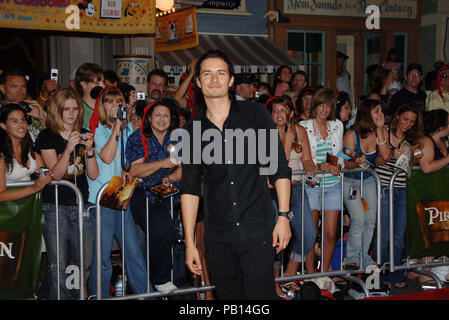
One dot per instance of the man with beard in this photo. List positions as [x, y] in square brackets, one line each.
[157, 82]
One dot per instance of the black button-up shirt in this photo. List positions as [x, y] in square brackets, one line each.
[237, 202]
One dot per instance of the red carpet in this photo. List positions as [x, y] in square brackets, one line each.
[435, 294]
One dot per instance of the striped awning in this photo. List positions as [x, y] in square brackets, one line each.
[248, 54]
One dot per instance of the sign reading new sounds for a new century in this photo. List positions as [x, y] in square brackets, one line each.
[99, 16]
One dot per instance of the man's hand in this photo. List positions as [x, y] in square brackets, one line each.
[281, 234]
[193, 261]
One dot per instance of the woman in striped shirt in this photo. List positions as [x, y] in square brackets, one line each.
[406, 125]
[325, 134]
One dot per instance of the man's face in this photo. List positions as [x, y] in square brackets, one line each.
[413, 78]
[299, 82]
[214, 78]
[88, 86]
[156, 87]
[245, 90]
[14, 89]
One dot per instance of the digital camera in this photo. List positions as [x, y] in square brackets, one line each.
[121, 112]
[25, 106]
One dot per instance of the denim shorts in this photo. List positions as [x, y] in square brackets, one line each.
[332, 197]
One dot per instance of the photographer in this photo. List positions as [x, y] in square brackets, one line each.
[149, 151]
[13, 85]
[17, 160]
[67, 149]
[111, 130]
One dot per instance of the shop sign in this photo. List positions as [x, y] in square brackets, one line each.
[406, 9]
[222, 4]
[176, 31]
[98, 16]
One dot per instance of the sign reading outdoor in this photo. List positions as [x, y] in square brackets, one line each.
[406, 9]
[99, 16]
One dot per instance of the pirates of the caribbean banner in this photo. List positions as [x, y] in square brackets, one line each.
[176, 31]
[20, 247]
[428, 214]
[99, 16]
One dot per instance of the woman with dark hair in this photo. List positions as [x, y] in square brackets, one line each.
[282, 81]
[435, 153]
[325, 133]
[149, 151]
[184, 116]
[344, 107]
[304, 104]
[111, 133]
[368, 128]
[297, 150]
[67, 149]
[406, 125]
[18, 161]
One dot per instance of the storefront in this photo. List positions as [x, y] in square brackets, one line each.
[318, 28]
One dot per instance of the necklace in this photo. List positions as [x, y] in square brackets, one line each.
[317, 130]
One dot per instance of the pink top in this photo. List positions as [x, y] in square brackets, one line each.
[280, 88]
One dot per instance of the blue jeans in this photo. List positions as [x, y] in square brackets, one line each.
[68, 238]
[136, 272]
[399, 228]
[362, 224]
[296, 201]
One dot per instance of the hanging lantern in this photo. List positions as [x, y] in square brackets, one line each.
[164, 5]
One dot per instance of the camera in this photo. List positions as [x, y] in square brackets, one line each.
[43, 171]
[140, 95]
[257, 94]
[121, 112]
[54, 74]
[25, 106]
[83, 137]
[312, 181]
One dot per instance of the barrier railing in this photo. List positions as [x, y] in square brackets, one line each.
[415, 267]
[80, 203]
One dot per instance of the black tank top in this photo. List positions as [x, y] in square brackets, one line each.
[437, 154]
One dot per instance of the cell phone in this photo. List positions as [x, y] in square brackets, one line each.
[54, 74]
[352, 193]
[140, 95]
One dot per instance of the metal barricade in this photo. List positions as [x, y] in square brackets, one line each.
[415, 267]
[80, 202]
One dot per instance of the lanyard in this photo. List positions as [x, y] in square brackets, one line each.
[125, 165]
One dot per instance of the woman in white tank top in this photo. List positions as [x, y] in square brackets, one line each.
[297, 150]
[17, 161]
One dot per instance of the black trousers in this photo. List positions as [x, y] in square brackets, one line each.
[161, 235]
[242, 270]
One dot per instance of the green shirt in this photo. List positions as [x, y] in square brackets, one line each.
[88, 112]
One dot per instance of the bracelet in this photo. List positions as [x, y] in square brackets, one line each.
[382, 143]
[42, 98]
[90, 156]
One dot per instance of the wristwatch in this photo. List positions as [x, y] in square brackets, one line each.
[287, 214]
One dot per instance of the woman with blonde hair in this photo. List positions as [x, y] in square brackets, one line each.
[67, 149]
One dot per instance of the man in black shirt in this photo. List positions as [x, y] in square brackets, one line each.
[239, 217]
[411, 91]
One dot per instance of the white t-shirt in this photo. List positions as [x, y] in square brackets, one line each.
[19, 172]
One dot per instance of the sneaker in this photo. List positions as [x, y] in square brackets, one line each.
[166, 287]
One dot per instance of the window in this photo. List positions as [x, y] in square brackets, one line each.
[308, 49]
[401, 45]
[372, 56]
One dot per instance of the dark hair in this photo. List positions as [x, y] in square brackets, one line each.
[278, 73]
[341, 98]
[391, 52]
[434, 120]
[208, 55]
[87, 72]
[214, 54]
[301, 72]
[307, 91]
[185, 113]
[6, 148]
[414, 133]
[174, 119]
[265, 85]
[364, 123]
[158, 72]
[430, 80]
[111, 76]
[11, 72]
